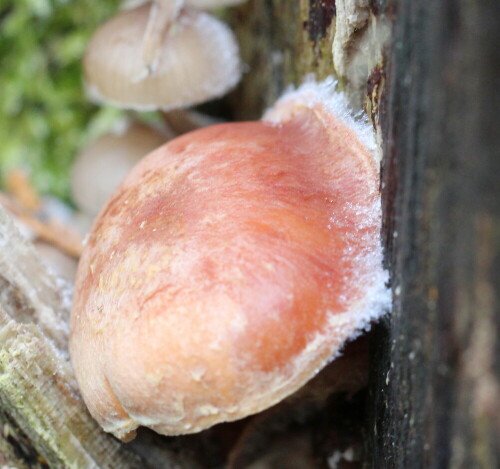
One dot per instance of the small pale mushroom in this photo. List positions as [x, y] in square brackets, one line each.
[196, 60]
[230, 266]
[162, 16]
[102, 164]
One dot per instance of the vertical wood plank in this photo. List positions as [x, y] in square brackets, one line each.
[436, 383]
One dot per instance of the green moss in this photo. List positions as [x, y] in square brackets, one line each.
[44, 115]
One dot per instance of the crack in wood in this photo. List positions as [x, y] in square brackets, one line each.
[321, 14]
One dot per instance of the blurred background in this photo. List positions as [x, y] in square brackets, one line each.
[45, 118]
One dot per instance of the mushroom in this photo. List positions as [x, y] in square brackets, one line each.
[267, 433]
[200, 4]
[102, 165]
[229, 267]
[162, 16]
[130, 64]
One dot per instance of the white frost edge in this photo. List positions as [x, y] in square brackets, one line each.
[312, 93]
[377, 301]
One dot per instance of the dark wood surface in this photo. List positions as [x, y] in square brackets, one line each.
[435, 392]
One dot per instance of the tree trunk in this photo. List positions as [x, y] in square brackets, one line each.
[436, 384]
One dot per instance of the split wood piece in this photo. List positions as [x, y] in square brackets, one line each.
[55, 233]
[28, 293]
[38, 391]
[16, 450]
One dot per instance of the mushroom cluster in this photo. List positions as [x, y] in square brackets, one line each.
[160, 55]
[230, 266]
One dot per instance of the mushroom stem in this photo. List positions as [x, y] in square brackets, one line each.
[182, 121]
[161, 16]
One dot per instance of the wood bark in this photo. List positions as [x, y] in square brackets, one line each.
[436, 385]
[44, 421]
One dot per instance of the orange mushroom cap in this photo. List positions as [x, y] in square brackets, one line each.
[229, 267]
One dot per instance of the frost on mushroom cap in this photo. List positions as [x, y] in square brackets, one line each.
[228, 268]
[102, 165]
[198, 61]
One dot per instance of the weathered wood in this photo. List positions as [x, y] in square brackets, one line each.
[15, 448]
[436, 384]
[38, 392]
[37, 388]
